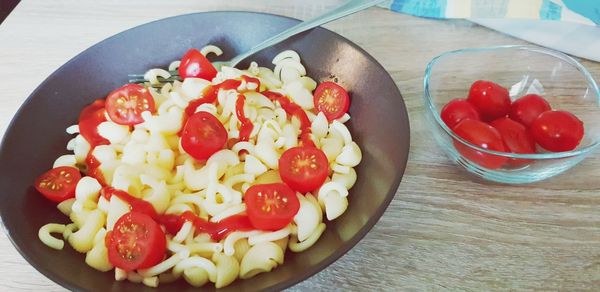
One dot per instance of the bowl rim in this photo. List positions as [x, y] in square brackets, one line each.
[536, 156]
[301, 275]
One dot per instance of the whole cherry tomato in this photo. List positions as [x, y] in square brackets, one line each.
[527, 108]
[557, 130]
[483, 135]
[457, 110]
[491, 100]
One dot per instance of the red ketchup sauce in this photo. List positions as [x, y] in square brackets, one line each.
[209, 95]
[217, 231]
[173, 223]
[246, 125]
[90, 117]
[93, 168]
[295, 110]
[136, 205]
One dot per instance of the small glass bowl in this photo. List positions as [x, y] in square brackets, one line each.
[560, 79]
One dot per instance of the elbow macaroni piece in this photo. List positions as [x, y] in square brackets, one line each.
[345, 179]
[333, 197]
[197, 262]
[228, 269]
[196, 277]
[350, 155]
[113, 132]
[48, 239]
[308, 217]
[83, 240]
[87, 191]
[65, 160]
[296, 246]
[97, 257]
[66, 206]
[262, 257]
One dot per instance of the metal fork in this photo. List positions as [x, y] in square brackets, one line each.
[348, 8]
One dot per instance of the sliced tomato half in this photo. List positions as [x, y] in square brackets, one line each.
[203, 135]
[271, 206]
[126, 104]
[194, 64]
[58, 184]
[137, 242]
[332, 100]
[304, 169]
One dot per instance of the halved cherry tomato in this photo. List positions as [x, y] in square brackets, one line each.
[137, 242]
[90, 117]
[58, 184]
[484, 136]
[271, 206]
[516, 138]
[203, 135]
[491, 100]
[126, 104]
[194, 64]
[332, 100]
[557, 130]
[527, 108]
[304, 169]
[457, 110]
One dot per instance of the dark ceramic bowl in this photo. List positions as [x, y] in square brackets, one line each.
[36, 135]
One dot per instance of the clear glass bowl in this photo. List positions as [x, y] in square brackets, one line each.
[563, 81]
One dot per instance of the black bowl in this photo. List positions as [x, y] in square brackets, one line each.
[36, 135]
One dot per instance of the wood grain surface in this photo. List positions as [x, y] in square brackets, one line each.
[445, 229]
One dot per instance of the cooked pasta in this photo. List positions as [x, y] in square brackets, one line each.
[204, 203]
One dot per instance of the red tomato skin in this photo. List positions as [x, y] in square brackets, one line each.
[143, 102]
[194, 64]
[68, 187]
[273, 218]
[303, 180]
[151, 248]
[491, 100]
[340, 105]
[527, 108]
[457, 110]
[203, 135]
[483, 135]
[516, 137]
[557, 131]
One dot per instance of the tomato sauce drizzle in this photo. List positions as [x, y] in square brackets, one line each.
[90, 117]
[246, 125]
[136, 205]
[217, 231]
[209, 95]
[173, 223]
[93, 168]
[295, 110]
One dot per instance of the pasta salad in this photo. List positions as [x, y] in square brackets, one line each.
[210, 177]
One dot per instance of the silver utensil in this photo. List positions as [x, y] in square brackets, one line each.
[348, 8]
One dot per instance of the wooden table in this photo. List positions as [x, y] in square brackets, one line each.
[445, 229]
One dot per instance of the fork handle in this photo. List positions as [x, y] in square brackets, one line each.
[348, 8]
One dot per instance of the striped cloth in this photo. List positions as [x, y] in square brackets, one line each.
[579, 11]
